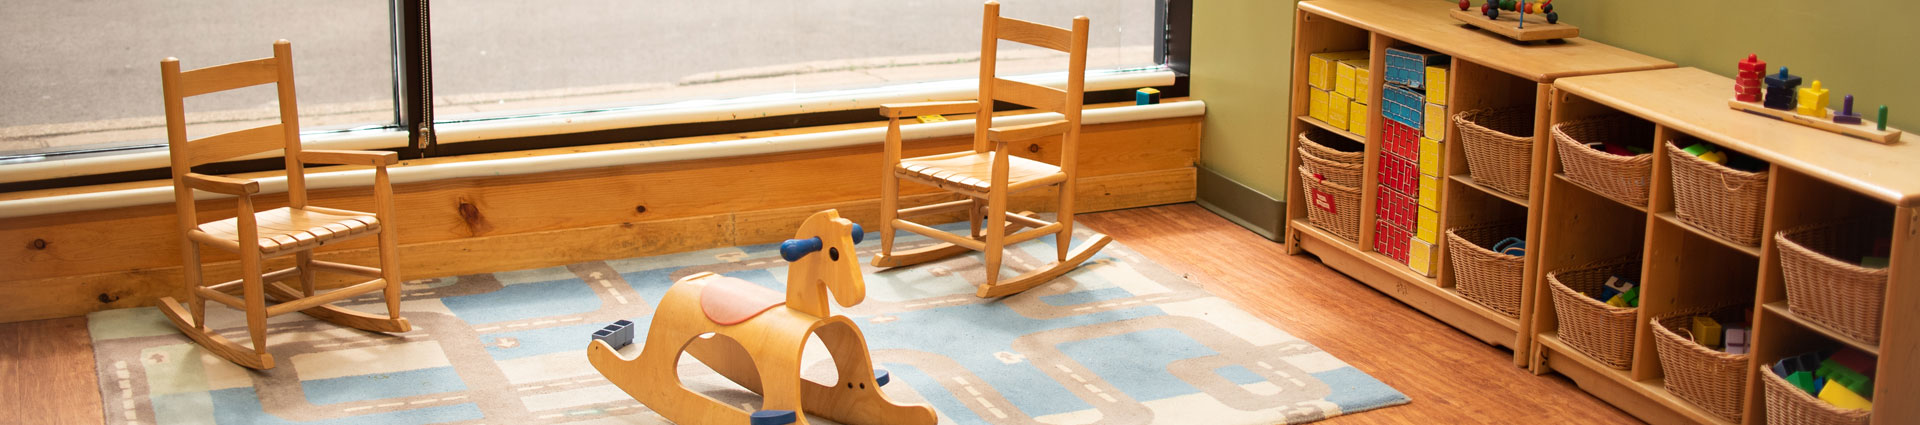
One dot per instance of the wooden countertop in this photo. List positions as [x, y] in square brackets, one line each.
[1694, 101]
[1427, 23]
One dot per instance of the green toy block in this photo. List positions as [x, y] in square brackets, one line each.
[1873, 262]
[1633, 297]
[1805, 381]
[1836, 372]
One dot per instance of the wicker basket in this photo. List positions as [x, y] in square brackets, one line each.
[1323, 144]
[1720, 200]
[1788, 405]
[1623, 178]
[1596, 329]
[1488, 278]
[1344, 220]
[1709, 378]
[1339, 173]
[1839, 294]
[1499, 145]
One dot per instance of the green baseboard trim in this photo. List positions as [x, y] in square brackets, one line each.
[1241, 204]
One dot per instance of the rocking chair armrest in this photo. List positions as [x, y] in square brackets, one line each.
[1028, 131]
[371, 158]
[897, 110]
[224, 185]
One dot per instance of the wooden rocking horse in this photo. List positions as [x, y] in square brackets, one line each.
[703, 312]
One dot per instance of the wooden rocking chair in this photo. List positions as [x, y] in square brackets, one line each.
[256, 236]
[989, 174]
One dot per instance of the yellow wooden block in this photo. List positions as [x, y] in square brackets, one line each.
[1436, 126]
[1437, 85]
[1430, 152]
[1320, 67]
[1357, 118]
[1317, 104]
[1337, 110]
[1813, 101]
[1841, 397]
[1427, 226]
[1420, 256]
[1362, 84]
[1348, 76]
[1429, 191]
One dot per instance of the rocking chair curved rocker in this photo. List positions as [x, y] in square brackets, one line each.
[990, 174]
[754, 337]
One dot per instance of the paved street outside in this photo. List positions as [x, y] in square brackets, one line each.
[86, 72]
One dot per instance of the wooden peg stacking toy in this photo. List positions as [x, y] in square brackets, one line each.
[1780, 90]
[1846, 115]
[1545, 26]
[1746, 86]
[754, 337]
[1813, 101]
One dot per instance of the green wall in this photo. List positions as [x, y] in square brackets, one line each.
[1869, 48]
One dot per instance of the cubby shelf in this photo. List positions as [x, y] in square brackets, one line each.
[1814, 178]
[1331, 129]
[1486, 71]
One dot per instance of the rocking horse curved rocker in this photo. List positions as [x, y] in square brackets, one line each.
[701, 313]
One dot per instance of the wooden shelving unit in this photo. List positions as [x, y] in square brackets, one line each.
[1487, 70]
[1815, 177]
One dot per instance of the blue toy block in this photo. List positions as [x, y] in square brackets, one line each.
[772, 417]
[619, 334]
[881, 377]
[1407, 66]
[1146, 96]
[1782, 90]
[1403, 105]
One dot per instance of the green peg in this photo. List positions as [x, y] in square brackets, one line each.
[1883, 118]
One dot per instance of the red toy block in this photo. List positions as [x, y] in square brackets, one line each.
[1753, 64]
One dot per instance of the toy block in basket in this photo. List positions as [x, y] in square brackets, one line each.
[1350, 78]
[1689, 342]
[1400, 140]
[1403, 104]
[1835, 274]
[1317, 104]
[1815, 388]
[1499, 147]
[1320, 67]
[1608, 155]
[1597, 329]
[1337, 110]
[1720, 199]
[1407, 66]
[1357, 118]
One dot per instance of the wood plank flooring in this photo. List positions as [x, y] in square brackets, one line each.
[46, 367]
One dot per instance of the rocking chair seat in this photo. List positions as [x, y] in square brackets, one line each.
[729, 301]
[973, 171]
[286, 229]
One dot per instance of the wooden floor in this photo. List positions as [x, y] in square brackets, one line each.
[47, 365]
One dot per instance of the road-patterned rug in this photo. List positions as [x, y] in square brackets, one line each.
[1118, 341]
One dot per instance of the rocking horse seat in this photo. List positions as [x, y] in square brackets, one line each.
[729, 301]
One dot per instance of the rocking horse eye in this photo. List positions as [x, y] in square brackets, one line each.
[833, 254]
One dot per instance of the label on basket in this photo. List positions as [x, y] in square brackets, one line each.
[1324, 201]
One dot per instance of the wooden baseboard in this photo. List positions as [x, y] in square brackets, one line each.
[1241, 204]
[76, 295]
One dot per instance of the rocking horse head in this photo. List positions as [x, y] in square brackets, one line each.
[823, 257]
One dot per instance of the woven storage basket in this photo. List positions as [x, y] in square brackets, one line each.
[1720, 200]
[1788, 405]
[1339, 173]
[1623, 178]
[1709, 378]
[1596, 329]
[1488, 278]
[1839, 294]
[1344, 220]
[1323, 144]
[1499, 145]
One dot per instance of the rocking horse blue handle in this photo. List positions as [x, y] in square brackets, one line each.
[794, 249]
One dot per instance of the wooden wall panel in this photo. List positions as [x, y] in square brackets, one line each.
[69, 264]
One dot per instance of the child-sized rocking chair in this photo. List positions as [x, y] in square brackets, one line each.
[989, 174]
[256, 236]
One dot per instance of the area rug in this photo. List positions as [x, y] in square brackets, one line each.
[1118, 341]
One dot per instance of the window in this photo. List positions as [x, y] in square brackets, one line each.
[83, 77]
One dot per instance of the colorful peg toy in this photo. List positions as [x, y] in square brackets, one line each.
[1515, 26]
[1784, 99]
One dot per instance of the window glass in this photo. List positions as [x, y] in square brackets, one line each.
[500, 58]
[85, 75]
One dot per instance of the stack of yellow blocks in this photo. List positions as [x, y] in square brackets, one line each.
[1330, 86]
[1426, 233]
